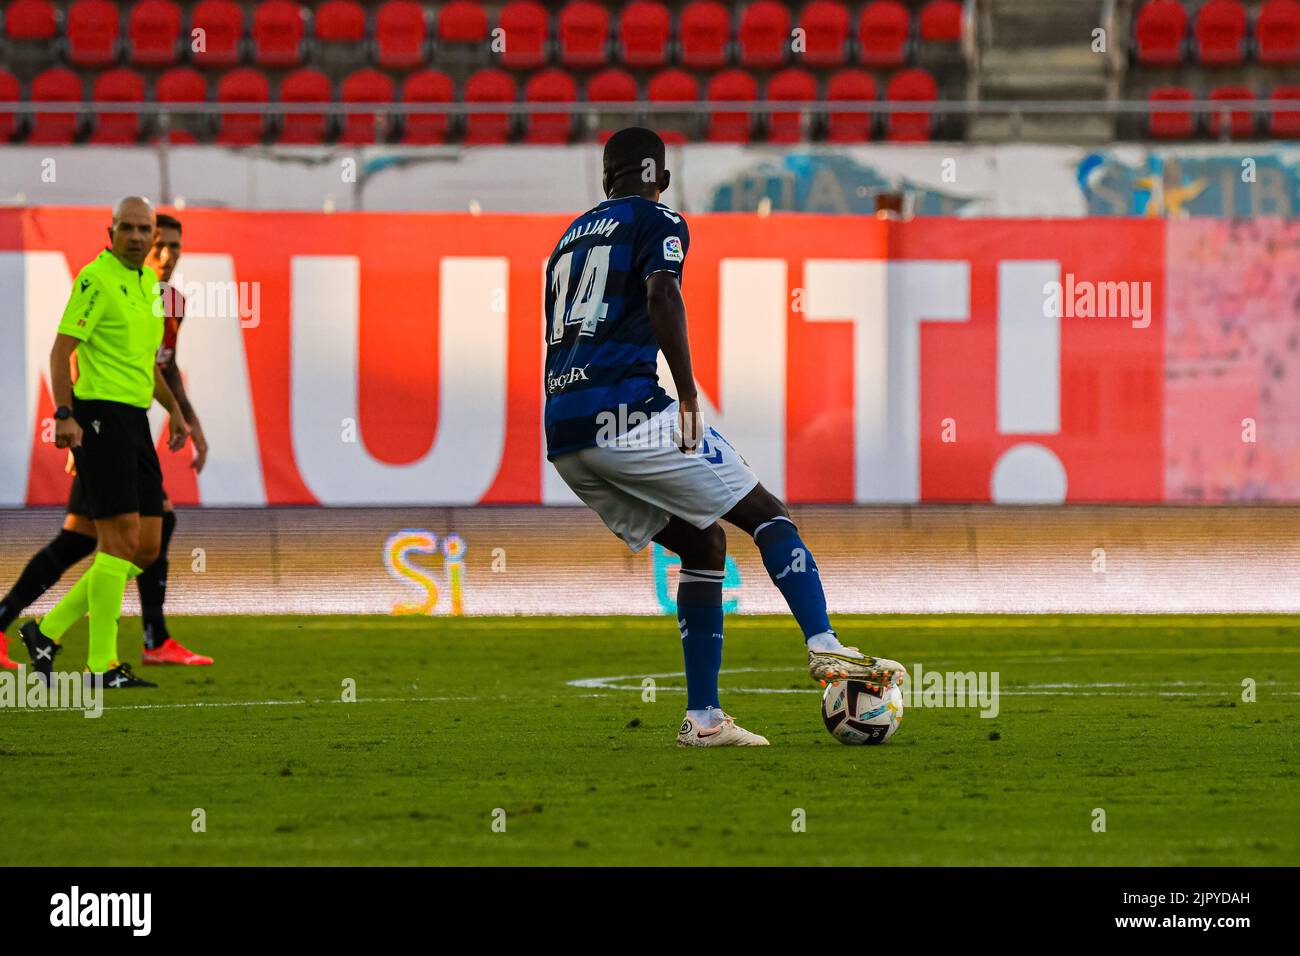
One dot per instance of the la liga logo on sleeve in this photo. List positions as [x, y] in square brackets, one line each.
[673, 249]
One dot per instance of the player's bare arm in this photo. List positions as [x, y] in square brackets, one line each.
[177, 429]
[171, 374]
[67, 433]
[668, 321]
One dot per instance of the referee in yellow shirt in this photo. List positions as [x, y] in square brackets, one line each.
[114, 323]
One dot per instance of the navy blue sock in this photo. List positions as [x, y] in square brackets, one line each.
[792, 569]
[699, 616]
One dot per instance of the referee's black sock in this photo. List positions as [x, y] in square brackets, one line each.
[43, 571]
[152, 583]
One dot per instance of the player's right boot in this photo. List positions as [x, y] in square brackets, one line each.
[40, 649]
[172, 652]
[725, 734]
[5, 661]
[848, 663]
[119, 676]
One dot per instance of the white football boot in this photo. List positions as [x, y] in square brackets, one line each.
[724, 734]
[849, 663]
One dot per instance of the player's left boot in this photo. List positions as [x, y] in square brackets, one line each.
[725, 734]
[120, 676]
[171, 652]
[849, 663]
[40, 649]
[5, 662]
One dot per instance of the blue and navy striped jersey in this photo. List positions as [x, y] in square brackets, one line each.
[601, 353]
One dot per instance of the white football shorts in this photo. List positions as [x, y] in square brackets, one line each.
[636, 481]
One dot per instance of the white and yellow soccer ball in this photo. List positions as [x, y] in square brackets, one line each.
[857, 714]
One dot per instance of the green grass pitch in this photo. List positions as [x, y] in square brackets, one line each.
[1141, 717]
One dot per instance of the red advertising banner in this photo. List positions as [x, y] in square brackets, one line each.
[396, 359]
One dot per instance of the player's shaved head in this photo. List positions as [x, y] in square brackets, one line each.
[634, 163]
[132, 231]
[131, 206]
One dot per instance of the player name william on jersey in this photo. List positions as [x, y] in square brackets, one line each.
[605, 227]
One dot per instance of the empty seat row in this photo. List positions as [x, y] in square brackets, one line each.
[1168, 121]
[706, 35]
[610, 87]
[1219, 33]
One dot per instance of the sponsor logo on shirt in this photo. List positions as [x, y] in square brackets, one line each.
[557, 383]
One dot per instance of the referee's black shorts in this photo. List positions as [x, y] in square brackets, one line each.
[117, 466]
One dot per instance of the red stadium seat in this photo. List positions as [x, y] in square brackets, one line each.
[527, 29]
[117, 86]
[1241, 123]
[304, 86]
[489, 86]
[427, 86]
[1277, 32]
[584, 34]
[222, 23]
[1220, 32]
[462, 21]
[92, 32]
[181, 85]
[910, 86]
[244, 85]
[789, 86]
[550, 86]
[826, 33]
[400, 34]
[672, 86]
[340, 21]
[279, 27]
[31, 20]
[731, 85]
[340, 28]
[850, 86]
[704, 31]
[32, 28]
[1284, 121]
[154, 33]
[364, 86]
[1170, 123]
[644, 30]
[940, 22]
[883, 30]
[461, 38]
[1159, 33]
[612, 86]
[55, 85]
[764, 35]
[8, 94]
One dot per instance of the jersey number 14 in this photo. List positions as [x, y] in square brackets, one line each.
[588, 306]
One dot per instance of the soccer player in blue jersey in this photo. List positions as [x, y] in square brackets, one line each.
[644, 461]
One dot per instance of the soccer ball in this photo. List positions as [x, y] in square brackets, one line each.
[857, 714]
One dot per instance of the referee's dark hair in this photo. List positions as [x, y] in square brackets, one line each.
[164, 221]
[634, 162]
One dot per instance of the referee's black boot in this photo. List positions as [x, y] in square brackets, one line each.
[119, 676]
[40, 649]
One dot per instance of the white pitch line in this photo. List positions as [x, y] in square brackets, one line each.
[1082, 689]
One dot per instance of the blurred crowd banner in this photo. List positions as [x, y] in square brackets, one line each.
[951, 179]
[396, 358]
